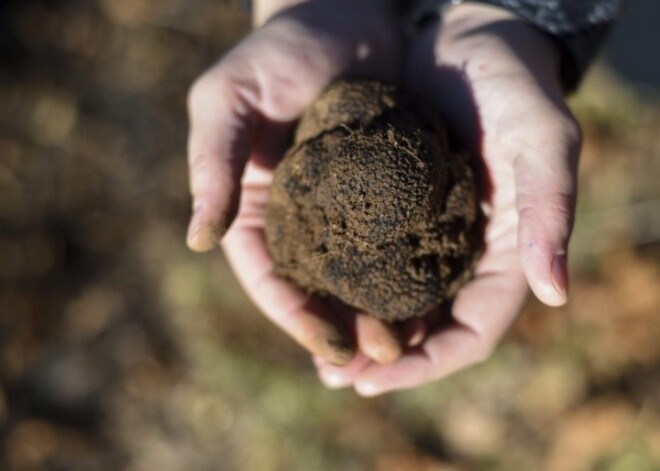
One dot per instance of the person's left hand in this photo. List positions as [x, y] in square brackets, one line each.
[495, 81]
[242, 114]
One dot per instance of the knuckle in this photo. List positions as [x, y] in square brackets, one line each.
[555, 128]
[571, 131]
[555, 205]
[566, 129]
[198, 91]
[556, 218]
[199, 166]
[207, 88]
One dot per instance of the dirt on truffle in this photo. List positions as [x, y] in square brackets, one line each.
[370, 205]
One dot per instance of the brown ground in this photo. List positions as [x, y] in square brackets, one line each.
[122, 350]
[371, 206]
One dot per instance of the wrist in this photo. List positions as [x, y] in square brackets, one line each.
[484, 34]
[362, 37]
[263, 10]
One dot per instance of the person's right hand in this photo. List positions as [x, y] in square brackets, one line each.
[242, 112]
[495, 81]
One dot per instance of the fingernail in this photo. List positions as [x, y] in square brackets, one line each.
[383, 349]
[378, 340]
[560, 275]
[417, 338]
[194, 228]
[416, 332]
[386, 354]
[202, 235]
[366, 389]
[332, 345]
[338, 351]
[329, 341]
[331, 380]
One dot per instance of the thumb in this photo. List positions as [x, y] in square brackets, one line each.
[221, 128]
[546, 191]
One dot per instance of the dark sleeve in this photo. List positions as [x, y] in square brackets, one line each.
[246, 4]
[578, 27]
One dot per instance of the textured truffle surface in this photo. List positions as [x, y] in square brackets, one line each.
[369, 205]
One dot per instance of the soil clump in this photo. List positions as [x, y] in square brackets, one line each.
[371, 206]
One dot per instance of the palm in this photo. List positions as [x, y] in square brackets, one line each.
[301, 316]
[498, 95]
[243, 110]
[504, 119]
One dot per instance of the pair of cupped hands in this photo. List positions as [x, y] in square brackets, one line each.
[495, 81]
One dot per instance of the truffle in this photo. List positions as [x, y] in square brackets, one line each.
[371, 206]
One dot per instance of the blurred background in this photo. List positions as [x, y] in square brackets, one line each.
[120, 349]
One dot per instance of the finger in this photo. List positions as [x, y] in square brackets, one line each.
[377, 339]
[305, 318]
[545, 178]
[301, 316]
[221, 128]
[414, 331]
[336, 377]
[482, 312]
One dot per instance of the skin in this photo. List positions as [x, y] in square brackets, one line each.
[242, 113]
[494, 80]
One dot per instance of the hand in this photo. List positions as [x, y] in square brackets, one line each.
[495, 81]
[242, 112]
